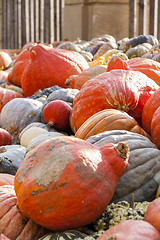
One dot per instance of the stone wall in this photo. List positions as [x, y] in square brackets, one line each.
[86, 19]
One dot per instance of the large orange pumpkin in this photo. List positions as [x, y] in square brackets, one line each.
[14, 77]
[121, 89]
[50, 66]
[66, 182]
[147, 66]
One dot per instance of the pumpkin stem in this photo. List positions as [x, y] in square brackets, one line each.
[50, 124]
[122, 150]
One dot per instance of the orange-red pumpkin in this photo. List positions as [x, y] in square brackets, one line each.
[121, 89]
[155, 128]
[149, 109]
[131, 230]
[5, 137]
[66, 183]
[50, 66]
[56, 114]
[6, 95]
[152, 214]
[14, 77]
[147, 66]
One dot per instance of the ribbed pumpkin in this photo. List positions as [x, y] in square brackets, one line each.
[152, 214]
[65, 235]
[142, 175]
[6, 179]
[120, 89]
[65, 182]
[149, 109]
[77, 81]
[21, 61]
[7, 95]
[147, 66]
[12, 224]
[50, 66]
[131, 229]
[5, 137]
[108, 119]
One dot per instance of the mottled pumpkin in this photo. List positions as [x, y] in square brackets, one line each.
[65, 182]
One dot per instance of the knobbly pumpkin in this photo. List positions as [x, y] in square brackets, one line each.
[65, 182]
[50, 66]
[152, 214]
[131, 229]
[142, 175]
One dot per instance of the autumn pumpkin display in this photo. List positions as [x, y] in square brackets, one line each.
[131, 229]
[141, 178]
[155, 130]
[14, 77]
[56, 66]
[152, 214]
[108, 119]
[6, 179]
[12, 224]
[119, 89]
[57, 113]
[4, 75]
[5, 137]
[80, 181]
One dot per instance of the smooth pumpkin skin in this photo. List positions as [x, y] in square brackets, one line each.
[65, 182]
[106, 120]
[149, 109]
[50, 66]
[6, 95]
[77, 81]
[131, 230]
[5, 137]
[120, 89]
[152, 214]
[14, 77]
[56, 113]
[155, 128]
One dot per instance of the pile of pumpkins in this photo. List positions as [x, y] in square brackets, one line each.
[80, 140]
